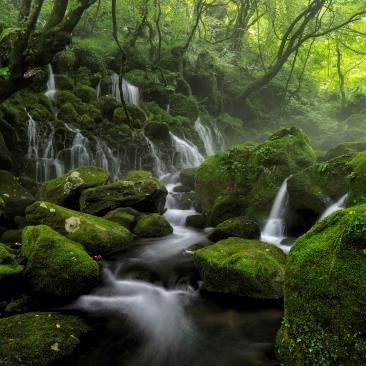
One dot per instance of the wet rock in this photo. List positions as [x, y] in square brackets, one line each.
[325, 294]
[242, 267]
[99, 236]
[8, 263]
[157, 131]
[196, 221]
[39, 338]
[122, 217]
[239, 227]
[152, 226]
[57, 266]
[66, 190]
[188, 177]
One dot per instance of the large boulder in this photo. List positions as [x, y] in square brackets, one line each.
[57, 266]
[39, 338]
[66, 190]
[239, 227]
[8, 263]
[99, 236]
[146, 195]
[242, 267]
[14, 197]
[313, 189]
[357, 185]
[188, 177]
[122, 217]
[152, 226]
[251, 174]
[325, 294]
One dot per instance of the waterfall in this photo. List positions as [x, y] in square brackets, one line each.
[188, 154]
[339, 205]
[99, 89]
[219, 138]
[205, 134]
[160, 169]
[41, 149]
[274, 230]
[115, 90]
[131, 93]
[104, 158]
[51, 84]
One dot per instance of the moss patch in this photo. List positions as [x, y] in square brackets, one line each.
[152, 226]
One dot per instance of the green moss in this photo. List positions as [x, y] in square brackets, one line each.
[139, 174]
[65, 96]
[357, 191]
[11, 236]
[68, 114]
[345, 148]
[157, 131]
[252, 172]
[8, 263]
[57, 266]
[121, 217]
[325, 294]
[146, 195]
[152, 226]
[99, 236]
[242, 267]
[64, 82]
[197, 221]
[239, 227]
[86, 93]
[66, 190]
[188, 177]
[39, 338]
[107, 104]
[180, 105]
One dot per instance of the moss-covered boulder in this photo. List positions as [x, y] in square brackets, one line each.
[313, 189]
[57, 266]
[345, 148]
[136, 116]
[107, 104]
[8, 263]
[11, 236]
[122, 217]
[325, 294]
[66, 190]
[180, 105]
[242, 267]
[357, 184]
[15, 198]
[252, 173]
[188, 177]
[99, 236]
[86, 93]
[239, 227]
[157, 131]
[39, 338]
[152, 226]
[196, 221]
[146, 195]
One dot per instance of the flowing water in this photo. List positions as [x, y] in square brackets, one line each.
[51, 84]
[275, 229]
[339, 205]
[151, 313]
[205, 134]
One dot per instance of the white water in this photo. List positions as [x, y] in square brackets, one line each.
[159, 167]
[188, 154]
[51, 84]
[131, 93]
[205, 134]
[339, 205]
[274, 230]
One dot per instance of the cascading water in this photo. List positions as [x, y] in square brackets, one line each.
[339, 205]
[274, 230]
[42, 151]
[159, 167]
[205, 134]
[51, 84]
[188, 154]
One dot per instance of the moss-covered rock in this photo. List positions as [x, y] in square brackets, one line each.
[152, 226]
[68, 114]
[122, 217]
[86, 93]
[325, 294]
[11, 236]
[99, 236]
[188, 177]
[313, 189]
[135, 113]
[66, 190]
[15, 197]
[239, 227]
[39, 338]
[242, 267]
[107, 104]
[357, 189]
[8, 263]
[182, 189]
[57, 266]
[180, 105]
[146, 195]
[196, 221]
[139, 174]
[64, 82]
[157, 131]
[345, 148]
[251, 173]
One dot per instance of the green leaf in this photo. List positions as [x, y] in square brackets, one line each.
[4, 71]
[6, 32]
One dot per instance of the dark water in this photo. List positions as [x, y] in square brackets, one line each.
[150, 311]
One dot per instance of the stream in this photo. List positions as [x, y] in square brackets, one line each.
[150, 310]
